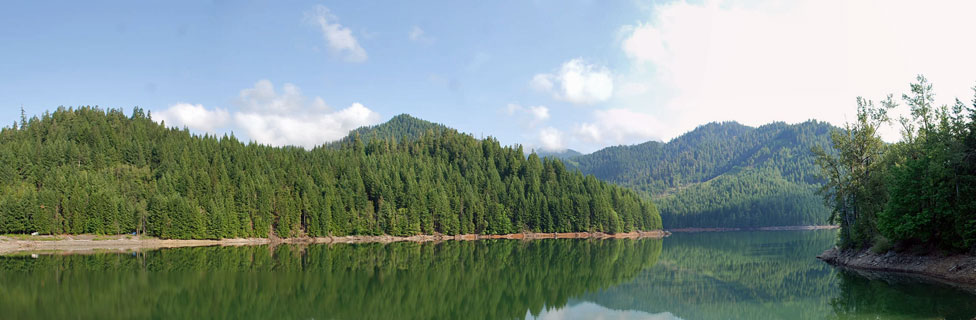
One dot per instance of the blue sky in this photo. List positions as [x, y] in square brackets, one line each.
[546, 74]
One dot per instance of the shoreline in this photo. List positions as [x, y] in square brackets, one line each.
[123, 243]
[957, 270]
[773, 228]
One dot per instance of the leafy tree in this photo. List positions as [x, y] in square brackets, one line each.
[916, 191]
[929, 174]
[854, 188]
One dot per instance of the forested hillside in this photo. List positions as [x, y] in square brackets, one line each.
[89, 170]
[400, 127]
[724, 174]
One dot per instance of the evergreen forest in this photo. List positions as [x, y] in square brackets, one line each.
[724, 174]
[917, 192]
[101, 171]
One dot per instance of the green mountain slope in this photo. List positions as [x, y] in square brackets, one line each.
[400, 127]
[87, 170]
[724, 174]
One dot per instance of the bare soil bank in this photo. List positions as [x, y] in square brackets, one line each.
[778, 228]
[956, 269]
[90, 243]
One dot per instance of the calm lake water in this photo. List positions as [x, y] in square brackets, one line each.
[730, 275]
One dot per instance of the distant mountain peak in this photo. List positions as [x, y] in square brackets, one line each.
[401, 126]
[562, 155]
[724, 174]
[404, 117]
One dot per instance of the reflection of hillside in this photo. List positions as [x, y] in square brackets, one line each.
[740, 275]
[450, 280]
[773, 275]
[894, 296]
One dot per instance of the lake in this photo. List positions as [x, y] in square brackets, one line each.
[724, 275]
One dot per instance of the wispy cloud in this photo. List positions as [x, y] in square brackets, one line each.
[619, 126]
[530, 116]
[338, 38]
[418, 35]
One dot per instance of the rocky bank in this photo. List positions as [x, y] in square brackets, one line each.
[958, 269]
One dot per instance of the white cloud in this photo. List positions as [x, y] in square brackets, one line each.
[795, 60]
[589, 132]
[629, 89]
[551, 139]
[418, 35]
[531, 116]
[542, 82]
[577, 82]
[619, 126]
[289, 118]
[339, 39]
[305, 130]
[539, 113]
[274, 117]
[263, 98]
[193, 116]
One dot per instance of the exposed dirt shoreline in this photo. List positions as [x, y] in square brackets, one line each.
[776, 228]
[90, 243]
[958, 270]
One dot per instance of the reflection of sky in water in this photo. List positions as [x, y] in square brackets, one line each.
[589, 310]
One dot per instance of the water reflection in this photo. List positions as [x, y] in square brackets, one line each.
[760, 275]
[773, 275]
[451, 280]
[588, 310]
[899, 297]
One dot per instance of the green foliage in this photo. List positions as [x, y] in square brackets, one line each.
[89, 170]
[881, 245]
[932, 181]
[746, 199]
[724, 174]
[919, 190]
[400, 127]
[854, 187]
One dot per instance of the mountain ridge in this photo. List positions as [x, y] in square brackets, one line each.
[721, 174]
[399, 127]
[101, 171]
[723, 169]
